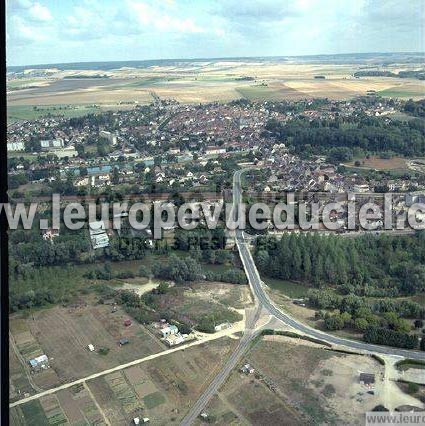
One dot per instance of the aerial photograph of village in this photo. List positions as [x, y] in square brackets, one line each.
[216, 212]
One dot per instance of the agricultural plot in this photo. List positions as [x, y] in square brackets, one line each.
[214, 81]
[31, 413]
[161, 389]
[123, 392]
[71, 406]
[63, 334]
[29, 112]
[19, 384]
[52, 410]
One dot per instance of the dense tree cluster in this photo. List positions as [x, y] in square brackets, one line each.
[378, 266]
[199, 239]
[419, 74]
[338, 138]
[415, 108]
[383, 336]
[178, 270]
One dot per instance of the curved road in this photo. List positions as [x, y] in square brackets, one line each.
[262, 298]
[263, 301]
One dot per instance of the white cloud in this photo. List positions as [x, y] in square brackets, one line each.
[158, 16]
[40, 13]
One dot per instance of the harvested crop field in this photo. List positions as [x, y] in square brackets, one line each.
[377, 163]
[207, 81]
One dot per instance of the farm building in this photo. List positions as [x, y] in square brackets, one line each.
[174, 339]
[127, 322]
[367, 379]
[39, 363]
[169, 330]
[247, 369]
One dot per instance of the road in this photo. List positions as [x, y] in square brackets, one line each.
[262, 301]
[214, 386]
[257, 287]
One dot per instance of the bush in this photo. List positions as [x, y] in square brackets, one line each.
[144, 271]
[125, 274]
[412, 388]
[103, 351]
[329, 391]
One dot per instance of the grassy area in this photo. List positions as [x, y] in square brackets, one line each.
[258, 92]
[30, 112]
[34, 413]
[24, 83]
[419, 298]
[396, 92]
[153, 400]
[410, 363]
[289, 288]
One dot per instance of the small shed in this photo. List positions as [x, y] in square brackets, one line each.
[124, 341]
[367, 379]
[90, 347]
[127, 322]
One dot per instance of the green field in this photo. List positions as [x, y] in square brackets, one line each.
[28, 112]
[258, 92]
[289, 288]
[396, 92]
[153, 400]
[23, 83]
[34, 413]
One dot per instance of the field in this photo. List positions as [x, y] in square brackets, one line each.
[299, 383]
[288, 288]
[27, 112]
[162, 389]
[63, 335]
[205, 81]
[72, 406]
[377, 163]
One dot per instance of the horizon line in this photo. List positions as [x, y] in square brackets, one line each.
[217, 58]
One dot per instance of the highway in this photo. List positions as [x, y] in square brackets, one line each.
[263, 302]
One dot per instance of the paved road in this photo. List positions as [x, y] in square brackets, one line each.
[219, 379]
[262, 298]
[262, 301]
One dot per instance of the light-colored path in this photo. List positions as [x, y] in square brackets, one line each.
[123, 366]
[99, 408]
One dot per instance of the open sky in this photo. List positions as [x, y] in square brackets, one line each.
[54, 31]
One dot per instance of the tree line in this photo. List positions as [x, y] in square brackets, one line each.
[369, 265]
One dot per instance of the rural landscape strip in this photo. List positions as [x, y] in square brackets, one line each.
[114, 369]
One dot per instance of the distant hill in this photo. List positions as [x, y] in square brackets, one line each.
[372, 58]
